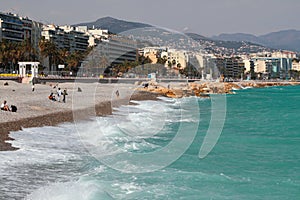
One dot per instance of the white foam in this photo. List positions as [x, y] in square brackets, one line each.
[41, 145]
[79, 190]
[46, 154]
[57, 154]
[145, 120]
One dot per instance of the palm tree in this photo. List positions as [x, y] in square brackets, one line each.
[2, 54]
[73, 60]
[49, 49]
[27, 51]
[13, 52]
[11, 55]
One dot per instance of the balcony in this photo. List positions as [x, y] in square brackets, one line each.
[13, 38]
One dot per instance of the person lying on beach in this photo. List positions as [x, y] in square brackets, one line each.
[52, 97]
[4, 106]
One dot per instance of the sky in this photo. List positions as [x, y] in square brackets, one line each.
[205, 17]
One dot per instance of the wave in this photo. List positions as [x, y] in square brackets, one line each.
[63, 155]
[76, 190]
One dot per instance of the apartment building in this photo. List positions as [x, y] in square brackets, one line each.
[153, 53]
[96, 36]
[273, 67]
[176, 59]
[284, 54]
[118, 49]
[66, 37]
[296, 65]
[14, 28]
[113, 51]
[11, 28]
[230, 67]
[205, 63]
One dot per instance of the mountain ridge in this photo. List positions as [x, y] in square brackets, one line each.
[113, 25]
[284, 39]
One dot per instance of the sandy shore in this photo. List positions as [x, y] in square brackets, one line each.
[36, 110]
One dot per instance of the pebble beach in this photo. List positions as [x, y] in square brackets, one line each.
[36, 110]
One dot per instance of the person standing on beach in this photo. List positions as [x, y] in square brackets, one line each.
[64, 95]
[58, 94]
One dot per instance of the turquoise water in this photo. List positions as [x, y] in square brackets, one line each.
[256, 157]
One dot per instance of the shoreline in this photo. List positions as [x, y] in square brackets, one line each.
[42, 113]
[51, 119]
[103, 109]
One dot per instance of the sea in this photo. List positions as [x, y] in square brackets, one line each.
[238, 146]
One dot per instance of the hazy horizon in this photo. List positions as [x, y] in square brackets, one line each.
[207, 18]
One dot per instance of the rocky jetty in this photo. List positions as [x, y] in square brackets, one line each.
[204, 89]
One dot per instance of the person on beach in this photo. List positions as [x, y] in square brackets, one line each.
[58, 94]
[64, 95]
[13, 108]
[32, 87]
[4, 106]
[52, 97]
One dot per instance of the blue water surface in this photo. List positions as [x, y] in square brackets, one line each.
[256, 157]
